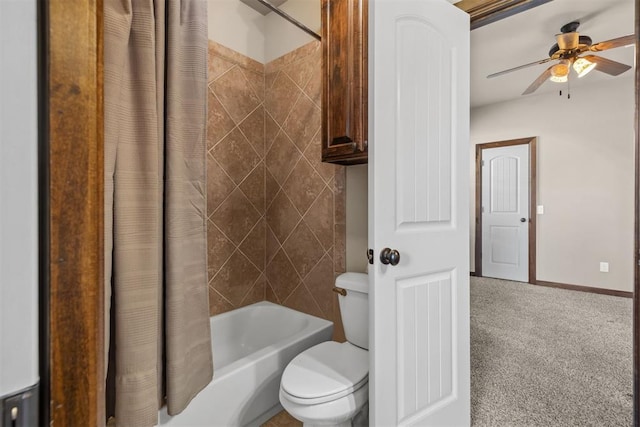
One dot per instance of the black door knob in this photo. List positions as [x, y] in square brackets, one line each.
[523, 219]
[389, 256]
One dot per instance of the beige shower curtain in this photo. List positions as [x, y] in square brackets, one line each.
[155, 209]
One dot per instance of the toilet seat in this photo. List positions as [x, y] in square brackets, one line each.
[325, 372]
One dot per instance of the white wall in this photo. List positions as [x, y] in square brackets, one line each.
[282, 36]
[261, 37]
[357, 218]
[585, 178]
[18, 196]
[237, 26]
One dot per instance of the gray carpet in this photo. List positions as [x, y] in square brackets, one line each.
[549, 357]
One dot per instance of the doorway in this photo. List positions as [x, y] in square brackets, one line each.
[505, 246]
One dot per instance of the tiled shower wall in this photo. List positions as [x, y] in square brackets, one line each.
[235, 180]
[277, 218]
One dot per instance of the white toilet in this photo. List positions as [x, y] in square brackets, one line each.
[328, 384]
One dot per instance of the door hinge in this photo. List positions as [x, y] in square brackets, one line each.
[483, 209]
[482, 162]
[370, 256]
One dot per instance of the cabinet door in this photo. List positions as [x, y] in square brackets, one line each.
[344, 98]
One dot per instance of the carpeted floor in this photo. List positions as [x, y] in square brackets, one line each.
[549, 357]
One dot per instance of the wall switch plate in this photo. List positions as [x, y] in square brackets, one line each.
[604, 267]
[540, 209]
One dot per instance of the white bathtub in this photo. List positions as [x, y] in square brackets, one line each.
[251, 347]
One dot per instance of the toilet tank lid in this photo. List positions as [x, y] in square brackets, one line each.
[357, 282]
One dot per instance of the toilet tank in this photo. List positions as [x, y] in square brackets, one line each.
[354, 307]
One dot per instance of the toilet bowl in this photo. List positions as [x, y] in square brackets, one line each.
[328, 384]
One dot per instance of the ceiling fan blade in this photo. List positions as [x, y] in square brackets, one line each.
[538, 82]
[613, 43]
[608, 66]
[500, 73]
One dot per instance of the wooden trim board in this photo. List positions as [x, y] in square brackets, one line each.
[589, 289]
[483, 12]
[75, 150]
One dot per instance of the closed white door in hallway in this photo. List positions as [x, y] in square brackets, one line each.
[505, 212]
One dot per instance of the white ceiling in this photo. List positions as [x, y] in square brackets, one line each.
[528, 36]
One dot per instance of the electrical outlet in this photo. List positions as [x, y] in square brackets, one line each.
[540, 209]
[604, 267]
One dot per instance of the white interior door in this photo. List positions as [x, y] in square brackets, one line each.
[505, 212]
[418, 205]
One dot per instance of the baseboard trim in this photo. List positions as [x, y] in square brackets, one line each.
[590, 289]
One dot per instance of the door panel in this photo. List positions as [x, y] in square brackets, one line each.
[505, 202]
[418, 195]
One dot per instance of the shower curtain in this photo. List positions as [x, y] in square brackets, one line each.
[155, 209]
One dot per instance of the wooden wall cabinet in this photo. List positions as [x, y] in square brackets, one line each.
[344, 78]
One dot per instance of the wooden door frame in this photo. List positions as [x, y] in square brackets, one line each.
[73, 145]
[72, 190]
[533, 167]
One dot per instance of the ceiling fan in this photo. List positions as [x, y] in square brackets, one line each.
[568, 52]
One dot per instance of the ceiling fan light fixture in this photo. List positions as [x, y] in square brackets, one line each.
[560, 71]
[583, 66]
[559, 79]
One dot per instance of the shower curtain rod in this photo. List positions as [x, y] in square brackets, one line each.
[291, 19]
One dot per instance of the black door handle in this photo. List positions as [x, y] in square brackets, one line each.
[389, 256]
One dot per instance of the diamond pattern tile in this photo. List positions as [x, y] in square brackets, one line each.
[271, 188]
[236, 156]
[302, 300]
[313, 89]
[230, 88]
[282, 217]
[256, 81]
[269, 78]
[303, 249]
[339, 262]
[320, 283]
[282, 157]
[253, 129]
[272, 245]
[270, 295]
[264, 171]
[320, 220]
[282, 276]
[303, 122]
[219, 249]
[300, 72]
[313, 154]
[219, 186]
[217, 303]
[217, 65]
[256, 293]
[254, 246]
[236, 217]
[281, 97]
[253, 187]
[219, 123]
[271, 129]
[235, 278]
[303, 186]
